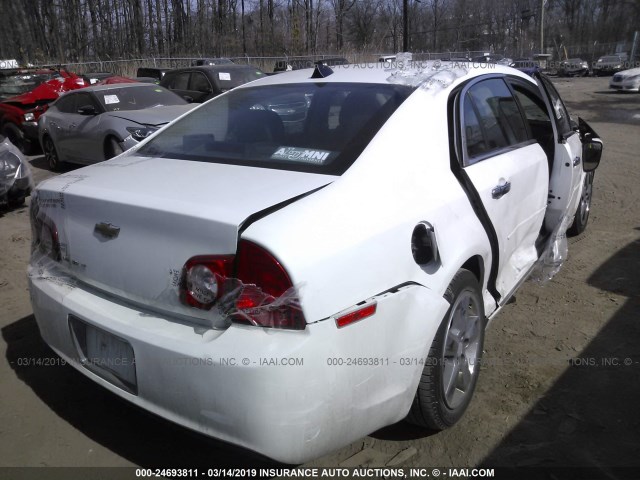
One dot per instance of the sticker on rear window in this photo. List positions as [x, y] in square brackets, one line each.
[306, 155]
[109, 99]
[224, 76]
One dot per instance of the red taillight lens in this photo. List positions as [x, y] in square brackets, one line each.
[254, 289]
[256, 266]
[46, 239]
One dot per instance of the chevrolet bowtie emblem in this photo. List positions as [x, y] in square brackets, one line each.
[107, 230]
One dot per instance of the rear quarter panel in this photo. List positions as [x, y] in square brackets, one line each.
[352, 239]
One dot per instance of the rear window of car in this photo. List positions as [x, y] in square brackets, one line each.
[137, 98]
[12, 85]
[311, 127]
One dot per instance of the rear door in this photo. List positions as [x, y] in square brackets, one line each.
[200, 87]
[178, 83]
[509, 172]
[61, 122]
[566, 172]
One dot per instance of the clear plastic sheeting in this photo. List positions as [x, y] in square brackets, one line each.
[16, 179]
[247, 303]
[46, 247]
[433, 75]
[554, 254]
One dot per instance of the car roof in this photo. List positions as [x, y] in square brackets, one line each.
[215, 68]
[419, 74]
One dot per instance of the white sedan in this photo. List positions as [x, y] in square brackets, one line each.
[626, 81]
[312, 256]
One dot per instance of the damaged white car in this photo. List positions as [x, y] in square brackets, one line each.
[315, 255]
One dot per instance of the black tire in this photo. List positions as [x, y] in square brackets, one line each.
[16, 136]
[51, 154]
[581, 219]
[113, 148]
[433, 407]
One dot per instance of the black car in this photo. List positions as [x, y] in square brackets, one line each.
[211, 61]
[285, 65]
[96, 77]
[333, 61]
[152, 72]
[199, 84]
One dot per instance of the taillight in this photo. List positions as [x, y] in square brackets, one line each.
[252, 287]
[45, 236]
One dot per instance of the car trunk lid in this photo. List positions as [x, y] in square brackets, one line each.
[127, 226]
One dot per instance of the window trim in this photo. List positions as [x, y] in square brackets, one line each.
[466, 159]
[561, 137]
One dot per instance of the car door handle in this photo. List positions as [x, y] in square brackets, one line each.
[576, 161]
[500, 190]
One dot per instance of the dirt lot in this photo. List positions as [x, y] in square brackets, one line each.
[560, 384]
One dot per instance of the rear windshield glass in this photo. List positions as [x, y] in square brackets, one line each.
[311, 127]
[137, 98]
[234, 77]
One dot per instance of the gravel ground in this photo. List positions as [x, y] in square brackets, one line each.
[559, 386]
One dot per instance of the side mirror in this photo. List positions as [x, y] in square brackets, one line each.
[591, 154]
[591, 146]
[87, 110]
[188, 98]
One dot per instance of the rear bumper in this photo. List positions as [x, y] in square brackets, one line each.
[291, 396]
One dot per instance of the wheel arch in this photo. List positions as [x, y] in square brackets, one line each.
[475, 265]
[106, 142]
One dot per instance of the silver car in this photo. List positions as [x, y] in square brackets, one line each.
[96, 123]
[626, 81]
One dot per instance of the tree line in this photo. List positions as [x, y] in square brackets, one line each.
[40, 31]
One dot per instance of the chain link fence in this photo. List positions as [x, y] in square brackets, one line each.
[128, 67]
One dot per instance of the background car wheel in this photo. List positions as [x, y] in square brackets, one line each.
[584, 207]
[16, 136]
[451, 371]
[113, 148]
[51, 154]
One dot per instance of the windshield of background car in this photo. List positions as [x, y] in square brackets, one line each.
[234, 77]
[610, 59]
[137, 98]
[310, 127]
[12, 85]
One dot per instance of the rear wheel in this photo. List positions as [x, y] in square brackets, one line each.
[584, 207]
[451, 372]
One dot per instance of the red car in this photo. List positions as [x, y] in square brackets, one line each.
[29, 93]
